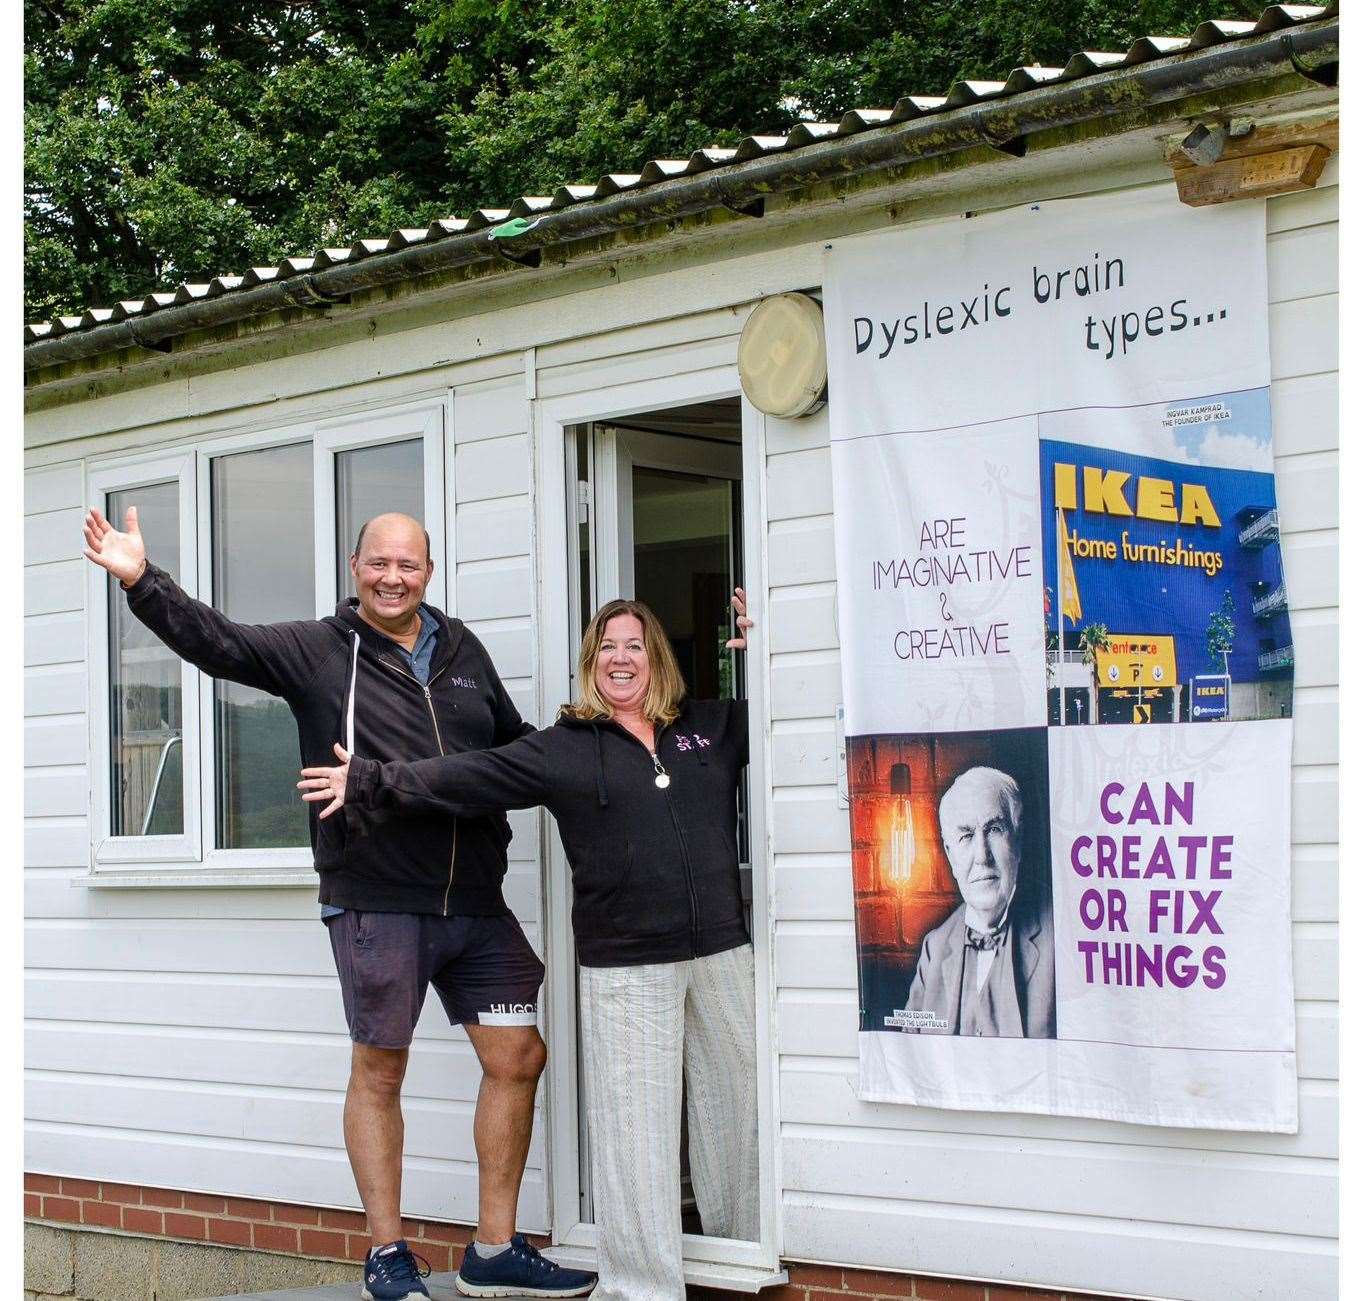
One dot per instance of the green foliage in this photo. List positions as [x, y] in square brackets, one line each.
[1221, 635]
[176, 139]
[1094, 638]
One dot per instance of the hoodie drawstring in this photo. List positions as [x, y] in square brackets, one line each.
[601, 769]
[350, 695]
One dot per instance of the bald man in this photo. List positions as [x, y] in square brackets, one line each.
[413, 903]
[989, 970]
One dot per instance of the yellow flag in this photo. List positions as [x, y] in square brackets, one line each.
[1065, 570]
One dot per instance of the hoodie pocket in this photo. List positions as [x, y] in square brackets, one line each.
[647, 904]
[721, 895]
[331, 839]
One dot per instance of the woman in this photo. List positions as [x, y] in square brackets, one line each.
[642, 783]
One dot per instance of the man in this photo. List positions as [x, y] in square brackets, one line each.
[420, 903]
[989, 969]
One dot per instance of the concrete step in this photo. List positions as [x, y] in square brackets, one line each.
[441, 1287]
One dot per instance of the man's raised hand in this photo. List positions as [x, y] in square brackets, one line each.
[123, 554]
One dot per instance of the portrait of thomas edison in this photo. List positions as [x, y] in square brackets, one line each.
[989, 969]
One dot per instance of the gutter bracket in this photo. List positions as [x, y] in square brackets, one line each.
[532, 258]
[1014, 146]
[160, 345]
[302, 291]
[1324, 74]
[757, 208]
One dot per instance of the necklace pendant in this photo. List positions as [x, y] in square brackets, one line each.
[663, 781]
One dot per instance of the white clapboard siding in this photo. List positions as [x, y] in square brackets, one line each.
[1131, 1257]
[317, 1176]
[55, 689]
[1036, 1199]
[440, 1130]
[56, 842]
[61, 893]
[213, 1054]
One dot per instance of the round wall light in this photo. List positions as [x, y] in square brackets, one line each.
[782, 364]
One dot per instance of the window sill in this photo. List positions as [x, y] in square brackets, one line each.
[202, 878]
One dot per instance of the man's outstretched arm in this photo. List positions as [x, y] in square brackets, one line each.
[273, 657]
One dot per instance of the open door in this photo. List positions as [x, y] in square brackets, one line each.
[654, 506]
[660, 520]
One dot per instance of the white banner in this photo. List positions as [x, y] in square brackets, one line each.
[1067, 662]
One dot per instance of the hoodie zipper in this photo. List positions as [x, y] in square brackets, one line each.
[692, 902]
[440, 745]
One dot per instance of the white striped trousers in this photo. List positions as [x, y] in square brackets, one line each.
[642, 1027]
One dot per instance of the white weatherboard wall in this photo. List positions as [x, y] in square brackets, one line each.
[1072, 1203]
[194, 1038]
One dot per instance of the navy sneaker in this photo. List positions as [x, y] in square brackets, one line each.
[519, 1271]
[391, 1274]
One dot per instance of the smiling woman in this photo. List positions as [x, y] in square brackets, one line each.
[627, 671]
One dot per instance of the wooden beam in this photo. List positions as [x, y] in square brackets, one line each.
[1267, 161]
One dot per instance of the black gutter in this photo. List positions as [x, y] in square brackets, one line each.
[1310, 50]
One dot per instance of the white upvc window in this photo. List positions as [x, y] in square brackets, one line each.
[193, 773]
[144, 715]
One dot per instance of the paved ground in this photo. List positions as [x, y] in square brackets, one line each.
[441, 1287]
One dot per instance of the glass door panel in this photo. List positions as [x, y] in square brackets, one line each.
[658, 517]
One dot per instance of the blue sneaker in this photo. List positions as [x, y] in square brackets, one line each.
[391, 1274]
[519, 1271]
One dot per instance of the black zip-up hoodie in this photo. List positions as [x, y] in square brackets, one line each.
[655, 869]
[345, 681]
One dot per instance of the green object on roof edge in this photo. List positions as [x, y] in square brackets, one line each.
[511, 229]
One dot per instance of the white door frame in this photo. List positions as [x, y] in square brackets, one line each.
[745, 1265]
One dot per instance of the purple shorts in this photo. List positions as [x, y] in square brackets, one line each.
[483, 968]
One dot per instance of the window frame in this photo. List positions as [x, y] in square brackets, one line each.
[424, 421]
[192, 858]
[110, 853]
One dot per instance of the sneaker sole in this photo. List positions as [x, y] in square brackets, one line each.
[367, 1295]
[465, 1288]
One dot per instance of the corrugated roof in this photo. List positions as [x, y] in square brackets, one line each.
[1085, 63]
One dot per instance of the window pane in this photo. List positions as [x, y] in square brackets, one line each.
[262, 527]
[147, 794]
[373, 481]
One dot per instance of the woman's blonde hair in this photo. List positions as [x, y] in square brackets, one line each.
[666, 686]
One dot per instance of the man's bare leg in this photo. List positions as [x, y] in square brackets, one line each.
[513, 1059]
[374, 1135]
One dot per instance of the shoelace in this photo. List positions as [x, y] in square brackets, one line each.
[524, 1251]
[403, 1267]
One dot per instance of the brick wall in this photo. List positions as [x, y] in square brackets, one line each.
[835, 1283]
[342, 1235]
[230, 1221]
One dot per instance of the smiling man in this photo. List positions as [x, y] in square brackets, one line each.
[419, 904]
[989, 969]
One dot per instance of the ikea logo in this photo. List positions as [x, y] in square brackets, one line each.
[1113, 492]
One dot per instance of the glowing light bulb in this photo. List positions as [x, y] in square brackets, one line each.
[900, 849]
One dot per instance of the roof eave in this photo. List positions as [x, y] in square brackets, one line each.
[1003, 123]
